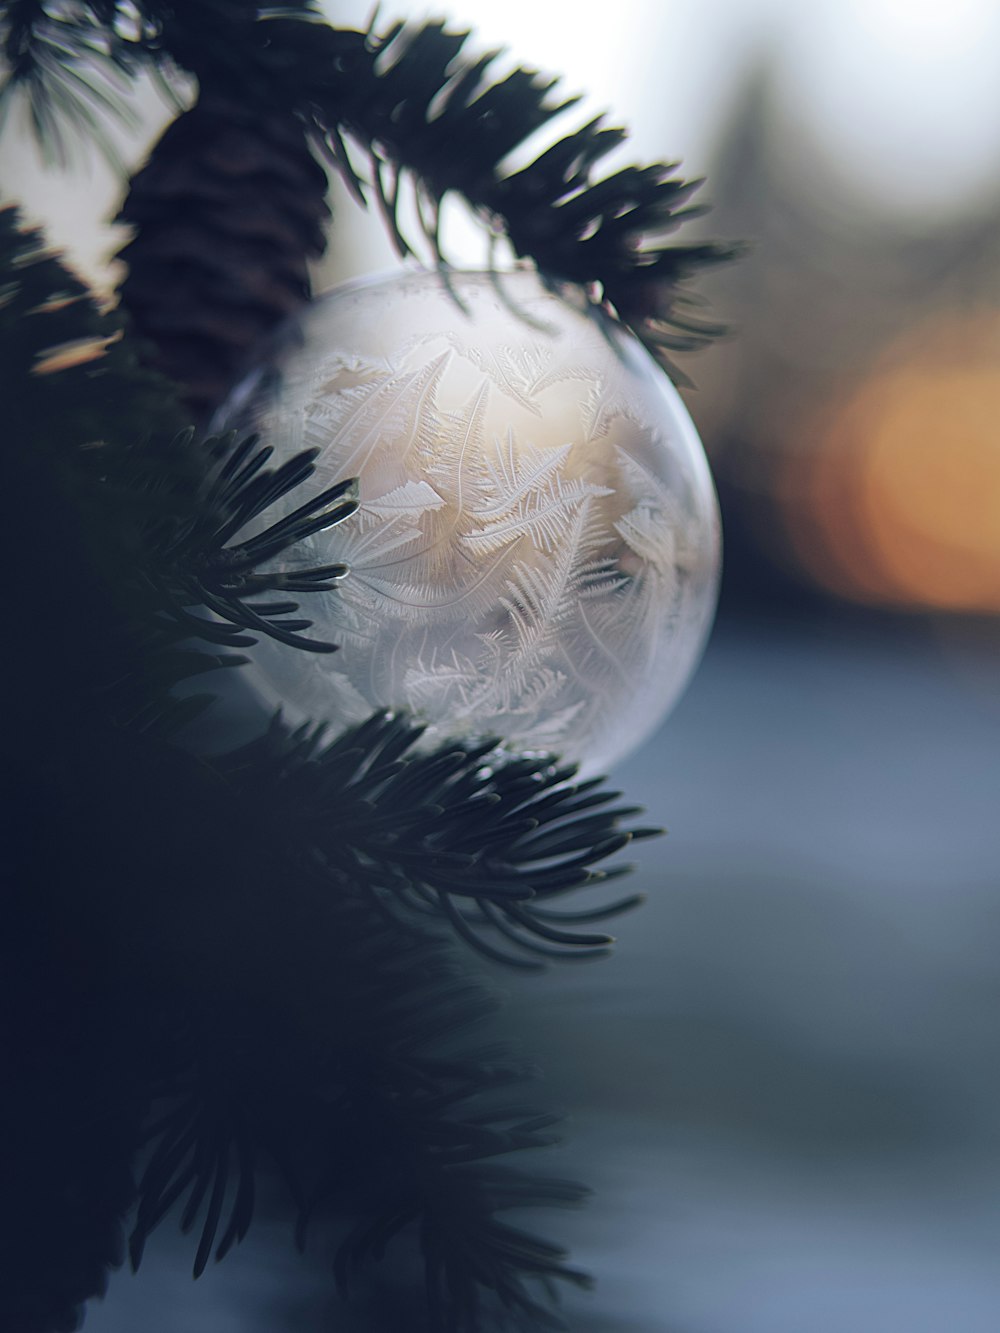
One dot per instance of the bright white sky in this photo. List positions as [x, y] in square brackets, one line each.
[900, 98]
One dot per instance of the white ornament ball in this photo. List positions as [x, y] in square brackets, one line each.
[536, 552]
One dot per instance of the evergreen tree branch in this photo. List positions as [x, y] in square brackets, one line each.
[422, 106]
[357, 854]
[465, 834]
[178, 508]
[414, 1131]
[413, 103]
[358, 1090]
[73, 60]
[220, 908]
[66, 360]
[200, 1142]
[164, 510]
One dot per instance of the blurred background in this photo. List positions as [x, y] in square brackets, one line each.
[785, 1086]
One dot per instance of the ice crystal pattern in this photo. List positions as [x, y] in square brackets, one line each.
[536, 551]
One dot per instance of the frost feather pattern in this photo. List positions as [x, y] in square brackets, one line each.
[536, 551]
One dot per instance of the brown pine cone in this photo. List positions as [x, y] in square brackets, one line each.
[227, 210]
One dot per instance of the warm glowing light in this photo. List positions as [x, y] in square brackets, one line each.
[896, 498]
[69, 355]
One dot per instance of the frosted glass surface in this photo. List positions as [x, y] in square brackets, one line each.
[536, 553]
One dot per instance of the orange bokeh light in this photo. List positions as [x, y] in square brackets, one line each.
[892, 496]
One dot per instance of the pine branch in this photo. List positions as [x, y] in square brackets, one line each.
[353, 855]
[163, 512]
[198, 1141]
[316, 1030]
[423, 107]
[481, 841]
[352, 1084]
[65, 360]
[412, 103]
[177, 510]
[73, 61]
[72, 68]
[413, 1128]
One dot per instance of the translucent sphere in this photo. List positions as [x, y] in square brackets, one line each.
[536, 552]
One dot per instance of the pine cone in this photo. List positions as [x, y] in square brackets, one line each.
[227, 210]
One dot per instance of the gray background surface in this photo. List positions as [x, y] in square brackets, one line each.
[784, 1086]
